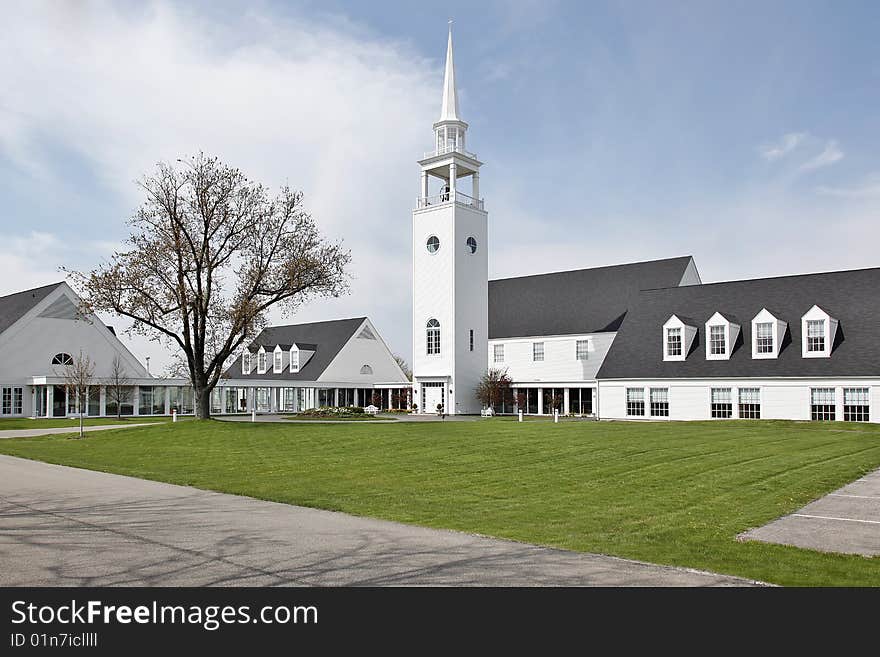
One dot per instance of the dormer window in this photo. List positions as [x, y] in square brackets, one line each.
[767, 334]
[261, 361]
[277, 361]
[294, 360]
[722, 332]
[246, 363]
[818, 329]
[678, 337]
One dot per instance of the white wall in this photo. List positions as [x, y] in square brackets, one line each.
[560, 363]
[345, 368]
[689, 399]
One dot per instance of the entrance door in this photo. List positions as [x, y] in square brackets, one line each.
[59, 401]
[433, 395]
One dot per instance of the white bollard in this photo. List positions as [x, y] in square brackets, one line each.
[254, 415]
[556, 415]
[174, 415]
[520, 415]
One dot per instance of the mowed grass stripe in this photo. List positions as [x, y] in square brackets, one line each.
[673, 493]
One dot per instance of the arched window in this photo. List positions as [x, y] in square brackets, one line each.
[433, 337]
[62, 359]
[366, 369]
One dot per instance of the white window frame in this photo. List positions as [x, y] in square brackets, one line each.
[829, 332]
[277, 360]
[498, 353]
[777, 334]
[432, 337]
[294, 359]
[246, 363]
[582, 349]
[687, 332]
[262, 361]
[537, 352]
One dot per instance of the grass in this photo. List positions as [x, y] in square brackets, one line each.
[52, 423]
[670, 493]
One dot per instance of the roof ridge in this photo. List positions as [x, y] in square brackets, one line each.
[764, 278]
[32, 289]
[571, 271]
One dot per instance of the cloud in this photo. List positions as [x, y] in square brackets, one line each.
[869, 187]
[324, 106]
[781, 148]
[829, 155]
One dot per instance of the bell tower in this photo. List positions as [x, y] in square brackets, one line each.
[450, 266]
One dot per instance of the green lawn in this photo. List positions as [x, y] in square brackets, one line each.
[51, 423]
[672, 493]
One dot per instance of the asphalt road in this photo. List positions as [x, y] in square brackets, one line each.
[63, 526]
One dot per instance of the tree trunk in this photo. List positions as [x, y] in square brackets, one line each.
[203, 402]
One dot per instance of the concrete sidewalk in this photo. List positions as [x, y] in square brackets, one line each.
[846, 521]
[31, 433]
[63, 526]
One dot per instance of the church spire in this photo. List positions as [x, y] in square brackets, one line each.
[449, 111]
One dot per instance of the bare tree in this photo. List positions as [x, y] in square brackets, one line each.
[404, 366]
[493, 388]
[79, 374]
[209, 253]
[117, 385]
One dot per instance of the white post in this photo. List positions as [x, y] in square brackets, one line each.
[476, 179]
[174, 415]
[520, 415]
[254, 414]
[556, 415]
[566, 401]
[424, 188]
[540, 401]
[453, 168]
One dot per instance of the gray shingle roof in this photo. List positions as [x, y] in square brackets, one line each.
[851, 297]
[580, 301]
[328, 338]
[14, 306]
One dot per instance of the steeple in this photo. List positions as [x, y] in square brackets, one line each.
[449, 111]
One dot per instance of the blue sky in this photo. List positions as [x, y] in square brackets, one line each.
[743, 133]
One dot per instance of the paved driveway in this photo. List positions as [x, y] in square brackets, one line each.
[847, 520]
[65, 526]
[30, 433]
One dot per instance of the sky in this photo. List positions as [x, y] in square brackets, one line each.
[745, 134]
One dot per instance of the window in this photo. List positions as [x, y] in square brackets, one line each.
[750, 403]
[261, 362]
[635, 401]
[433, 337]
[660, 402]
[855, 405]
[822, 404]
[673, 342]
[366, 369]
[582, 347]
[433, 244]
[294, 360]
[246, 363]
[498, 353]
[471, 339]
[276, 363]
[722, 405]
[717, 340]
[580, 401]
[472, 244]
[815, 335]
[62, 359]
[7, 401]
[17, 394]
[537, 351]
[764, 338]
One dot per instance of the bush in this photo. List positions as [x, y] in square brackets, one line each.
[333, 411]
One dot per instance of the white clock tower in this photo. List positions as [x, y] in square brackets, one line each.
[450, 267]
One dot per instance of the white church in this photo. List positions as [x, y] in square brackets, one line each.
[638, 341]
[635, 341]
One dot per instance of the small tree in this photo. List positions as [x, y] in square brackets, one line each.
[78, 375]
[210, 252]
[404, 366]
[521, 401]
[117, 385]
[493, 387]
[376, 400]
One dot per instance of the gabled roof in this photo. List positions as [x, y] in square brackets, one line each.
[327, 339]
[14, 306]
[855, 296]
[580, 301]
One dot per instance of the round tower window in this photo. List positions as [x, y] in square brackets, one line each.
[433, 244]
[472, 244]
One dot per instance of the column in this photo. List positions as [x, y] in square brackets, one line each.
[838, 403]
[103, 401]
[167, 400]
[336, 396]
[424, 188]
[136, 406]
[566, 399]
[354, 402]
[50, 400]
[476, 179]
[540, 401]
[452, 175]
